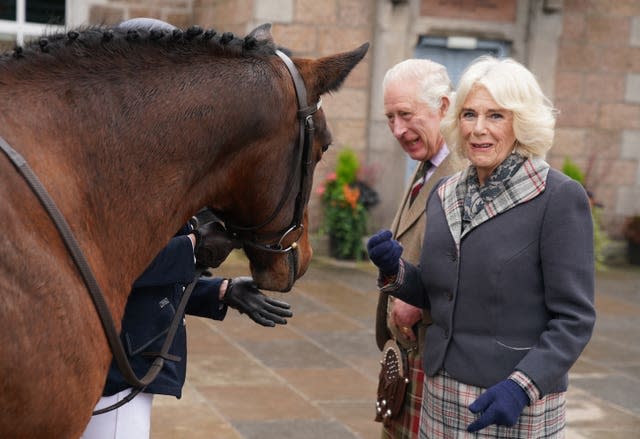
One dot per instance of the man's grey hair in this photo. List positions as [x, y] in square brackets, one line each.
[431, 77]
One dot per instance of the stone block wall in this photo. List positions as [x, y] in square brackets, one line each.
[597, 92]
[176, 12]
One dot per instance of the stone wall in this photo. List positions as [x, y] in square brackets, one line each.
[585, 53]
[176, 12]
[598, 95]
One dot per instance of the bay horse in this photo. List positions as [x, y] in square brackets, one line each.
[131, 132]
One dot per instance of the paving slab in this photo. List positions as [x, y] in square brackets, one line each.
[316, 377]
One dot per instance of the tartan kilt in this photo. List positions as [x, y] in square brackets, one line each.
[406, 425]
[446, 414]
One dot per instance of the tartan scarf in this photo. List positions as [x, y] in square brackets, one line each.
[515, 181]
[477, 196]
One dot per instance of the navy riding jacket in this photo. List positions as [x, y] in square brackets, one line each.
[151, 306]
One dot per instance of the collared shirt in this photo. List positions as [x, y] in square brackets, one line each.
[437, 160]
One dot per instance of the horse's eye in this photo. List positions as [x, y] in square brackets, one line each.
[325, 147]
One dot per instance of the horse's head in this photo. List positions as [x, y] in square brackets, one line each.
[276, 241]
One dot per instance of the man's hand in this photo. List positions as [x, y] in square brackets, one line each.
[243, 295]
[500, 404]
[385, 252]
[404, 316]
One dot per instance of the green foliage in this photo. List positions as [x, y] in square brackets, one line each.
[600, 238]
[347, 166]
[571, 169]
[346, 228]
[345, 217]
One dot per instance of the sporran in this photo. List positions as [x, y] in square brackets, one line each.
[392, 382]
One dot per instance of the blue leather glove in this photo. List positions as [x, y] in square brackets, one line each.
[500, 404]
[385, 252]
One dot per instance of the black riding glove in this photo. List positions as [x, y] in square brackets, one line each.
[213, 242]
[243, 295]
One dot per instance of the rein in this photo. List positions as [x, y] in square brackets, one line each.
[94, 290]
[305, 141]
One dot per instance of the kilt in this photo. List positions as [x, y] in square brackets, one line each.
[407, 423]
[446, 414]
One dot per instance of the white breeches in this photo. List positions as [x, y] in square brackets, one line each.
[131, 421]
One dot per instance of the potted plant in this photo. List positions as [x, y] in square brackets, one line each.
[345, 199]
[632, 234]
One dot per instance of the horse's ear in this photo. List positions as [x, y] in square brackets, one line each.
[331, 71]
[262, 33]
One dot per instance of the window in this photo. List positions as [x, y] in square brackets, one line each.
[455, 53]
[21, 20]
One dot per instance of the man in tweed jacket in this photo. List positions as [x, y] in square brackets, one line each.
[417, 93]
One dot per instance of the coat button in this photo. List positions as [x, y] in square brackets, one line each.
[446, 333]
[449, 296]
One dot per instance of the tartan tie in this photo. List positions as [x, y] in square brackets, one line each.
[419, 182]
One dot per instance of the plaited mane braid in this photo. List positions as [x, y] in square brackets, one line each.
[84, 40]
[193, 32]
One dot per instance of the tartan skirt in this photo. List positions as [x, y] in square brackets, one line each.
[407, 424]
[446, 414]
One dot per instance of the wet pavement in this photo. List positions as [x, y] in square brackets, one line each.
[316, 377]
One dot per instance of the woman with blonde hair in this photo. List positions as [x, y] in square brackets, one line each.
[510, 278]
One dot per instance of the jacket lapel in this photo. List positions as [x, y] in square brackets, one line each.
[412, 213]
[451, 193]
[526, 184]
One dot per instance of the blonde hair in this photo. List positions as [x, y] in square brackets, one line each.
[514, 88]
[431, 77]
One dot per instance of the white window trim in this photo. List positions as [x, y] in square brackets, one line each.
[20, 28]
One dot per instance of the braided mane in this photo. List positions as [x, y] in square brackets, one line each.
[100, 40]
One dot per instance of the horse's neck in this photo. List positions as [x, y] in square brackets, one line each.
[133, 161]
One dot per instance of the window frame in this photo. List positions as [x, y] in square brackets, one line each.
[21, 28]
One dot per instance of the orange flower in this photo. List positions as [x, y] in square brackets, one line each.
[351, 195]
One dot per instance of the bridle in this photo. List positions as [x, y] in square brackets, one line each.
[275, 242]
[244, 234]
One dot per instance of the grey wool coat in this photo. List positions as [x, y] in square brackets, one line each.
[517, 295]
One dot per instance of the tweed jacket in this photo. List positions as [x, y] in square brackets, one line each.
[517, 294]
[408, 228]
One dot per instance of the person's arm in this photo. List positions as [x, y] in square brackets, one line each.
[174, 264]
[567, 258]
[408, 286]
[211, 297]
[207, 299]
[395, 276]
